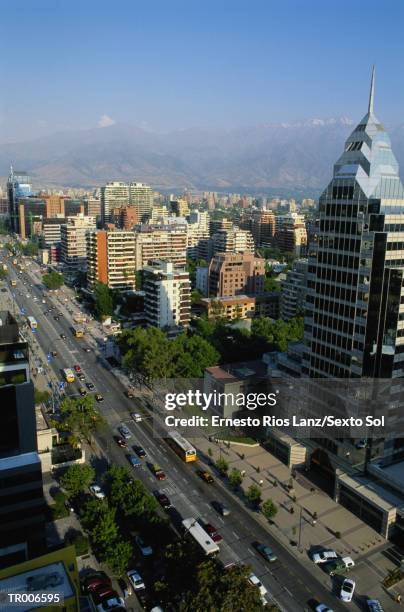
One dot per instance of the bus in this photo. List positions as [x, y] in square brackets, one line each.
[182, 447]
[201, 537]
[32, 323]
[13, 283]
[78, 332]
[69, 376]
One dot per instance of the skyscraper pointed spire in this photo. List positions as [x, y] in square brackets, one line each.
[372, 92]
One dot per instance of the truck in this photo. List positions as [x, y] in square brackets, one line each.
[338, 566]
[193, 529]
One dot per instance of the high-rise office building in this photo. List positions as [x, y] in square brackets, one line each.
[113, 195]
[141, 196]
[291, 234]
[111, 259]
[355, 302]
[18, 186]
[167, 295]
[22, 505]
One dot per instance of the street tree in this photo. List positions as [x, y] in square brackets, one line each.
[77, 478]
[222, 466]
[269, 509]
[235, 478]
[104, 304]
[253, 494]
[53, 280]
[117, 556]
[129, 497]
[79, 418]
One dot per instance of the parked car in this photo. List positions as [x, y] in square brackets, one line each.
[266, 552]
[324, 555]
[374, 605]
[255, 581]
[163, 500]
[97, 491]
[347, 589]
[144, 548]
[135, 579]
[204, 475]
[124, 431]
[136, 417]
[93, 580]
[213, 532]
[323, 608]
[338, 566]
[221, 508]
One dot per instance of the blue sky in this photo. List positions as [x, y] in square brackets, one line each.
[176, 64]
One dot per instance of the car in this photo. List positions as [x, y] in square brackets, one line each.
[77, 368]
[144, 548]
[255, 581]
[43, 301]
[63, 336]
[124, 431]
[136, 417]
[361, 444]
[98, 397]
[135, 579]
[97, 491]
[163, 500]
[221, 508]
[205, 476]
[266, 552]
[54, 354]
[90, 386]
[374, 605]
[60, 314]
[213, 532]
[125, 587]
[347, 590]
[322, 608]
[86, 349]
[338, 566]
[135, 461]
[4, 290]
[158, 472]
[92, 581]
[108, 602]
[324, 555]
[81, 376]
[140, 451]
[56, 318]
[121, 442]
[82, 391]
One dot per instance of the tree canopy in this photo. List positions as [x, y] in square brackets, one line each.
[79, 418]
[104, 303]
[77, 478]
[53, 280]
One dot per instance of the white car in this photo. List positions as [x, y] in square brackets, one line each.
[136, 417]
[347, 589]
[109, 604]
[255, 581]
[324, 556]
[97, 491]
[323, 608]
[135, 579]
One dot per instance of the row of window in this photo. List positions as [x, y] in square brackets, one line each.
[337, 226]
[336, 276]
[337, 259]
[334, 291]
[333, 307]
[339, 243]
[395, 246]
[330, 337]
[329, 369]
[331, 353]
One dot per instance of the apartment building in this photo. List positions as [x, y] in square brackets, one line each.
[165, 242]
[179, 207]
[141, 196]
[294, 290]
[291, 234]
[111, 259]
[167, 296]
[92, 207]
[73, 241]
[52, 231]
[113, 195]
[230, 307]
[231, 241]
[233, 274]
[198, 235]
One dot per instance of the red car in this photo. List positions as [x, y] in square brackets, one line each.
[121, 442]
[163, 500]
[158, 472]
[77, 368]
[213, 532]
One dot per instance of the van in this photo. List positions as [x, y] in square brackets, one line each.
[339, 566]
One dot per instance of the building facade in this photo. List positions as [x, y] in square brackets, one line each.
[168, 243]
[74, 243]
[233, 274]
[293, 290]
[111, 259]
[167, 296]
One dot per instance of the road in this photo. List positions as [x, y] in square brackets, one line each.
[289, 582]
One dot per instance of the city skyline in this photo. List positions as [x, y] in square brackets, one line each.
[163, 68]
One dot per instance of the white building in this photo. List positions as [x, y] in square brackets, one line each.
[167, 295]
[73, 241]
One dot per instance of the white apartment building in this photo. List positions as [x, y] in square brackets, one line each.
[167, 295]
[198, 235]
[232, 241]
[168, 243]
[113, 195]
[141, 195]
[73, 241]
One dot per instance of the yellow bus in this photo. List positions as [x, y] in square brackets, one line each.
[68, 375]
[13, 283]
[182, 447]
[78, 332]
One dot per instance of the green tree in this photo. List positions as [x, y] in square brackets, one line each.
[117, 556]
[191, 355]
[130, 497]
[41, 396]
[79, 418]
[30, 249]
[53, 280]
[91, 512]
[77, 478]
[147, 351]
[235, 478]
[253, 494]
[3, 274]
[104, 305]
[222, 466]
[59, 509]
[269, 509]
[271, 284]
[105, 530]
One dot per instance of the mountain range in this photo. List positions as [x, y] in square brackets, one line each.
[292, 157]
